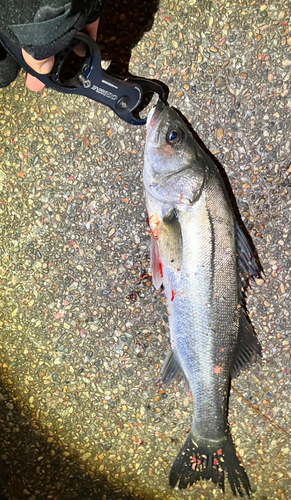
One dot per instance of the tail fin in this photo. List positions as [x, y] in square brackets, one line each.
[208, 460]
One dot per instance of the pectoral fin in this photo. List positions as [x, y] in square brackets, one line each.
[170, 241]
[166, 246]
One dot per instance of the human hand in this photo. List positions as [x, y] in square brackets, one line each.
[45, 66]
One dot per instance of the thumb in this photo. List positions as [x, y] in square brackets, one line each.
[43, 67]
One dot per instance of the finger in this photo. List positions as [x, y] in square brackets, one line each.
[43, 67]
[91, 29]
[33, 83]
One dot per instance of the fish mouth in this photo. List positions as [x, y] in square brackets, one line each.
[155, 117]
[154, 113]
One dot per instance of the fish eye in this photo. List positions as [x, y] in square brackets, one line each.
[174, 137]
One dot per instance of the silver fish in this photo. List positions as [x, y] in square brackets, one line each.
[201, 256]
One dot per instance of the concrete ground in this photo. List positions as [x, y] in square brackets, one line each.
[83, 332]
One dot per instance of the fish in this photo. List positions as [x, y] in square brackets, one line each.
[201, 256]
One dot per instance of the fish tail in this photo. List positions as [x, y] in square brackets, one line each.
[202, 459]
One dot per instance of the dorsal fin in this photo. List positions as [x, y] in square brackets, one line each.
[249, 267]
[248, 346]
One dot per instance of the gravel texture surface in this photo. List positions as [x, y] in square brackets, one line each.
[83, 332]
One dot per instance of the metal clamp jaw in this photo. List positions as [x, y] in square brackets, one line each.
[125, 96]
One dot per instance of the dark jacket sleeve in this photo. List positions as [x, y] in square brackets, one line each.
[42, 27]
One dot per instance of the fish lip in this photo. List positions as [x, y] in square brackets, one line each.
[154, 119]
[156, 110]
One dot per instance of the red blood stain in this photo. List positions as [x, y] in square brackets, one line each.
[161, 268]
[218, 369]
[154, 223]
[174, 294]
[222, 350]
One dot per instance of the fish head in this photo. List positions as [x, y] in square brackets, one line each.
[175, 168]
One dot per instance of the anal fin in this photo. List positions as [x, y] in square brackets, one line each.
[171, 368]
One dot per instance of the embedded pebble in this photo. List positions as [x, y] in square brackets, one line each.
[220, 134]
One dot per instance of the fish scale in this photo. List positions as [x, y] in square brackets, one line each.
[194, 302]
[200, 255]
